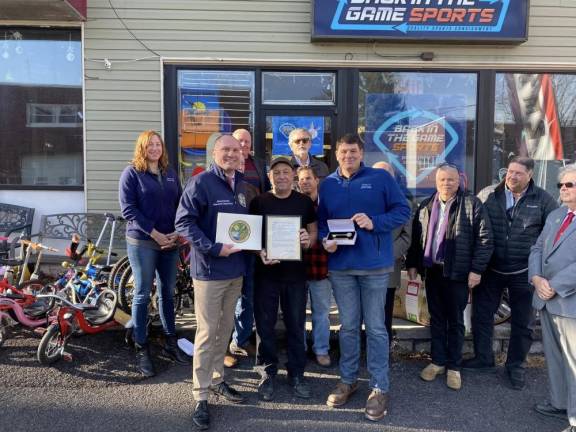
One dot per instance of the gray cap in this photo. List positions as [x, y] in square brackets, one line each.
[280, 160]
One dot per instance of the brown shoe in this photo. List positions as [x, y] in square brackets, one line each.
[230, 361]
[376, 405]
[430, 372]
[453, 379]
[323, 360]
[341, 394]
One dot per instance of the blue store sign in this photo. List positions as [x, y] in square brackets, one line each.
[487, 21]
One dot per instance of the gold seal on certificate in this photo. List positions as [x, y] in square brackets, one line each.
[283, 238]
[242, 231]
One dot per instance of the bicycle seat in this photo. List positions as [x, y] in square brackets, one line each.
[84, 307]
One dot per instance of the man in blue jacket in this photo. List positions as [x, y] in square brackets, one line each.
[217, 270]
[359, 273]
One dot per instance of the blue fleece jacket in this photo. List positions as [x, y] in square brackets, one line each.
[206, 195]
[146, 203]
[375, 193]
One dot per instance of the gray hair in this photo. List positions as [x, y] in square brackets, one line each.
[297, 130]
[568, 169]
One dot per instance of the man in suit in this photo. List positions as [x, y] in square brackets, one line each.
[552, 271]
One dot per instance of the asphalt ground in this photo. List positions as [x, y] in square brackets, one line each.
[100, 390]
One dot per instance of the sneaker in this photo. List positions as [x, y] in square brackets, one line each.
[247, 350]
[228, 393]
[201, 416]
[547, 409]
[266, 388]
[230, 361]
[376, 405]
[430, 372]
[476, 365]
[323, 360]
[517, 378]
[453, 379]
[341, 394]
[300, 387]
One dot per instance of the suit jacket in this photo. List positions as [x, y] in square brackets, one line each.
[401, 237]
[557, 264]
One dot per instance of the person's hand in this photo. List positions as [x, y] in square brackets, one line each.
[363, 221]
[412, 273]
[330, 245]
[473, 279]
[543, 288]
[227, 250]
[304, 238]
[265, 260]
[162, 239]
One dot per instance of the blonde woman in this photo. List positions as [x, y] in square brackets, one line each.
[149, 193]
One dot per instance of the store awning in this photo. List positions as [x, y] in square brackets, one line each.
[43, 10]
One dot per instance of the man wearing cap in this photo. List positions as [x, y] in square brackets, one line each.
[282, 283]
[300, 142]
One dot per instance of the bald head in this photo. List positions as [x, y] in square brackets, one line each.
[245, 139]
[385, 166]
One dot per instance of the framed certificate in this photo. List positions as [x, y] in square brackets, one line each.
[241, 230]
[283, 238]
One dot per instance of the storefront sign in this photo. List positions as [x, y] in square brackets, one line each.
[415, 133]
[432, 20]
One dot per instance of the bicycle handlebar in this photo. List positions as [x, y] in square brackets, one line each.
[61, 299]
[37, 246]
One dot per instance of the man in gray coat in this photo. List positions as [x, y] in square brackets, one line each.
[552, 271]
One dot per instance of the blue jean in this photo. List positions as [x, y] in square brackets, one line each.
[320, 301]
[244, 313]
[147, 263]
[362, 299]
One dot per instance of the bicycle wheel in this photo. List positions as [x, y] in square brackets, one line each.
[125, 290]
[183, 292]
[504, 312]
[116, 273]
[52, 345]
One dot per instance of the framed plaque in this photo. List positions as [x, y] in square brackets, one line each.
[283, 238]
[241, 230]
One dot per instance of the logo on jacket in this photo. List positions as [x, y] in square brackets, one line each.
[366, 186]
[242, 199]
[239, 231]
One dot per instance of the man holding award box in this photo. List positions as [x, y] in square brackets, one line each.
[372, 204]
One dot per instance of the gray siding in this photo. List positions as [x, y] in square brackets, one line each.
[125, 100]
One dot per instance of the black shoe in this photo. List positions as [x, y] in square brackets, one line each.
[228, 393]
[172, 351]
[144, 361]
[476, 365]
[517, 378]
[266, 388]
[201, 416]
[548, 410]
[300, 386]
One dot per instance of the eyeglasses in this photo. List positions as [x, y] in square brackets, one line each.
[449, 165]
[301, 140]
[567, 184]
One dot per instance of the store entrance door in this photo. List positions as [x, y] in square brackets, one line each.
[276, 124]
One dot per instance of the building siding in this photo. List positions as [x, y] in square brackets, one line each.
[127, 99]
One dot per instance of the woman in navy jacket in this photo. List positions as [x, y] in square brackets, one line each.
[149, 194]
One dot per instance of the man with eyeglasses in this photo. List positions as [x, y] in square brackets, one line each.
[451, 247]
[300, 142]
[517, 209]
[552, 271]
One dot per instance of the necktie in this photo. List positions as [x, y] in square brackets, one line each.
[564, 226]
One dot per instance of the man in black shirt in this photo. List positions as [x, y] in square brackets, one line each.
[282, 282]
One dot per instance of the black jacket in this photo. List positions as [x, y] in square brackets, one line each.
[513, 239]
[468, 240]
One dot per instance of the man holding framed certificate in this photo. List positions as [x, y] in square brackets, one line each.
[289, 227]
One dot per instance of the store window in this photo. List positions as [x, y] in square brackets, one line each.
[298, 88]
[41, 134]
[417, 120]
[535, 116]
[210, 103]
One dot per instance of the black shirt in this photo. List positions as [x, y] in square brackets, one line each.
[296, 204]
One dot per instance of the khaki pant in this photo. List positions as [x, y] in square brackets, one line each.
[214, 304]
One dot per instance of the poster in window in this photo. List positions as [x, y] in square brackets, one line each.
[415, 133]
[283, 125]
